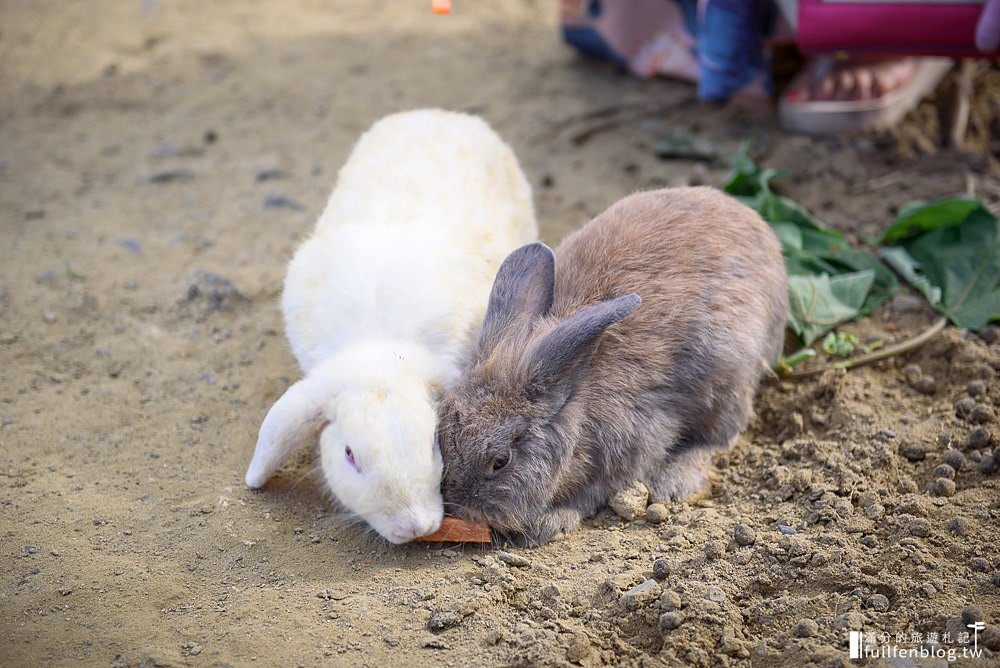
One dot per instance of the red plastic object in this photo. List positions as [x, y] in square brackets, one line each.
[914, 28]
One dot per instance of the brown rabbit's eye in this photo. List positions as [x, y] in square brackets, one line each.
[501, 461]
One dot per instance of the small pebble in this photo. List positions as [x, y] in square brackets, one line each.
[715, 549]
[171, 176]
[989, 334]
[786, 530]
[449, 553]
[849, 620]
[744, 535]
[944, 487]
[920, 526]
[878, 602]
[279, 201]
[976, 388]
[988, 464]
[670, 601]
[991, 638]
[269, 174]
[912, 373]
[957, 525]
[515, 560]
[671, 620]
[875, 511]
[806, 628]
[630, 503]
[972, 614]
[925, 385]
[639, 595]
[954, 459]
[963, 407]
[981, 414]
[996, 579]
[913, 452]
[131, 245]
[579, 648]
[978, 565]
[434, 643]
[980, 438]
[944, 471]
[715, 594]
[331, 594]
[661, 569]
[656, 513]
[441, 620]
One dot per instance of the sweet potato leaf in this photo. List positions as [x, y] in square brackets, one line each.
[919, 217]
[811, 249]
[953, 247]
[897, 258]
[818, 303]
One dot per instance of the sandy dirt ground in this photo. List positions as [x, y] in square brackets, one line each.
[160, 162]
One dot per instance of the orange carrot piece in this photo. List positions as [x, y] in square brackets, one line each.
[441, 6]
[455, 530]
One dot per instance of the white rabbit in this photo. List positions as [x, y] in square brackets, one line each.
[381, 303]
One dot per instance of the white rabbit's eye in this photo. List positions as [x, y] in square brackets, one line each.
[349, 456]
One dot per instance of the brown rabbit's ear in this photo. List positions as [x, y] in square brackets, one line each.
[560, 359]
[522, 289]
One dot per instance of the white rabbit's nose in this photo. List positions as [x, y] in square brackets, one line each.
[415, 524]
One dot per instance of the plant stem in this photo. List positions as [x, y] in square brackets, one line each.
[891, 351]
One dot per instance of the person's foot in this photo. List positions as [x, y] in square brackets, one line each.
[853, 79]
[858, 94]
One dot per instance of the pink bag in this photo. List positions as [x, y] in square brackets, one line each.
[911, 28]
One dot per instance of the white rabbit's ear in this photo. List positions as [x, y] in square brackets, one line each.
[293, 418]
[523, 288]
[560, 359]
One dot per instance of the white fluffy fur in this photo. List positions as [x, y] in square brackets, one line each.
[380, 303]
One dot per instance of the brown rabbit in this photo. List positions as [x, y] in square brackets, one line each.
[633, 352]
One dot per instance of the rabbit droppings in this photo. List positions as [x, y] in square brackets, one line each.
[632, 353]
[381, 303]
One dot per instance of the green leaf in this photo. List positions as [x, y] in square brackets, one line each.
[810, 248]
[919, 217]
[910, 270]
[744, 179]
[818, 303]
[963, 262]
[839, 344]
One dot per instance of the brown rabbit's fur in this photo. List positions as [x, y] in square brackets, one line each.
[562, 407]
